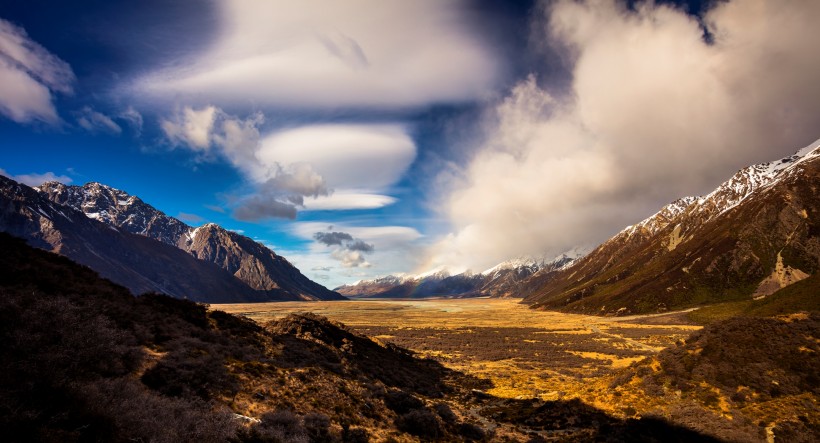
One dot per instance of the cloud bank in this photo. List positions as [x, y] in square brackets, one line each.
[656, 113]
[29, 76]
[315, 167]
[317, 54]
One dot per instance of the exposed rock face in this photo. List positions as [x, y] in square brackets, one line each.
[724, 246]
[136, 262]
[251, 262]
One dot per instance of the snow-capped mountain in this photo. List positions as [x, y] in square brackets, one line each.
[136, 262]
[499, 281]
[757, 227]
[251, 262]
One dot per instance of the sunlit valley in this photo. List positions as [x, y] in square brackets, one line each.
[388, 221]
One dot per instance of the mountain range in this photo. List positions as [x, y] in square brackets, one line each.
[499, 281]
[132, 243]
[755, 234]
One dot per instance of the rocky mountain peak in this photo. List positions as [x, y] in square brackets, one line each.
[759, 226]
[246, 259]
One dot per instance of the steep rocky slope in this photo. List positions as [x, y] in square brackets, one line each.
[134, 261]
[754, 234]
[251, 262]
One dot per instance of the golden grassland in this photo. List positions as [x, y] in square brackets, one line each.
[525, 353]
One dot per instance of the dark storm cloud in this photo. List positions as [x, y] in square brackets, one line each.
[359, 245]
[261, 206]
[332, 238]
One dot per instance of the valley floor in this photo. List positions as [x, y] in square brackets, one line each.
[525, 353]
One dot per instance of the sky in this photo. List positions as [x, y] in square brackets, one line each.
[364, 138]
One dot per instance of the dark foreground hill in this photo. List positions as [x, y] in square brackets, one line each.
[83, 360]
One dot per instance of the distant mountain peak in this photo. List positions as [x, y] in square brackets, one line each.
[499, 281]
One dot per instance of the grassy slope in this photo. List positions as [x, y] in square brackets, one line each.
[801, 296]
[759, 372]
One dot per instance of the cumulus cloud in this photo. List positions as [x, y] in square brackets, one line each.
[380, 249]
[349, 251]
[315, 54]
[94, 121]
[29, 75]
[359, 245]
[350, 259]
[314, 167]
[191, 127]
[278, 189]
[332, 238]
[36, 179]
[656, 112]
[395, 249]
[280, 195]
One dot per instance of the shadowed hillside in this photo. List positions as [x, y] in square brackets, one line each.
[83, 360]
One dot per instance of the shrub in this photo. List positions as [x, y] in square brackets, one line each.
[446, 414]
[402, 402]
[421, 423]
[471, 431]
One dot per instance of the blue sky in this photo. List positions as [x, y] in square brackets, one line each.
[424, 134]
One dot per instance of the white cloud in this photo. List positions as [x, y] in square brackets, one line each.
[317, 54]
[656, 113]
[382, 236]
[278, 189]
[94, 121]
[388, 249]
[348, 200]
[191, 128]
[28, 75]
[346, 155]
[36, 179]
[350, 259]
[134, 119]
[317, 167]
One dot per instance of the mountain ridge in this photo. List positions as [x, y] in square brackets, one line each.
[136, 262]
[697, 250]
[498, 281]
[249, 261]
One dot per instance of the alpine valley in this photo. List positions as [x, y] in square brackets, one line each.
[392, 221]
[699, 323]
[755, 234]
